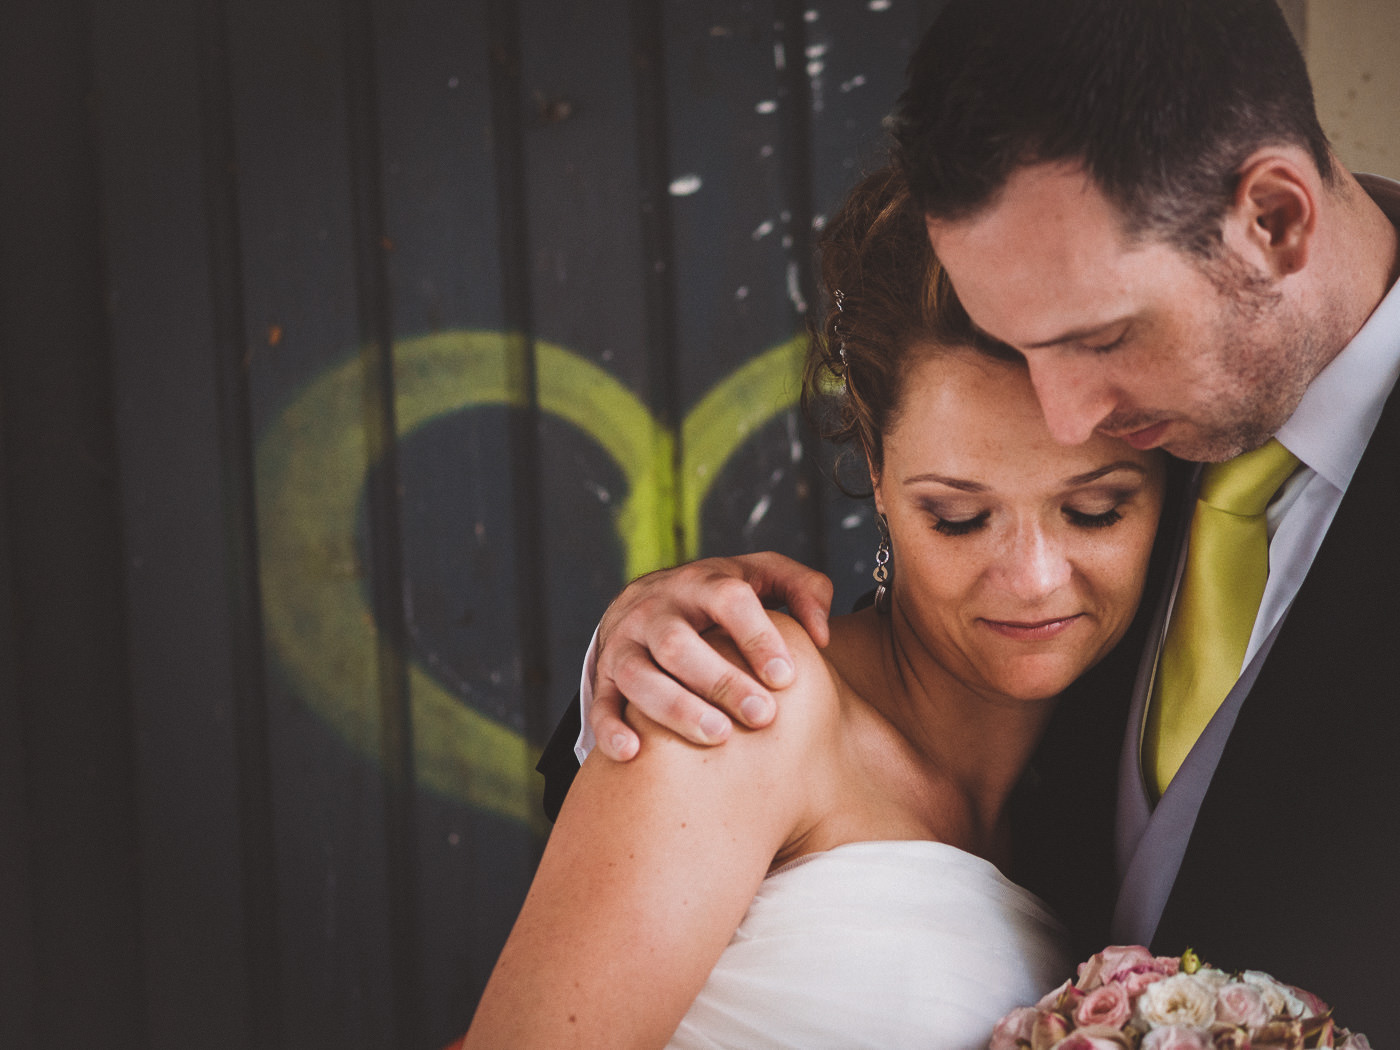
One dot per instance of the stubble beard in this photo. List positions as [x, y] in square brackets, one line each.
[1269, 352]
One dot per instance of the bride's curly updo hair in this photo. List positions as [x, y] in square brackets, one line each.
[888, 303]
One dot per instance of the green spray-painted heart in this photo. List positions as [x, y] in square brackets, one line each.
[311, 468]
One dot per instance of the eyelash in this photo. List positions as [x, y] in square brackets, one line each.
[966, 526]
[960, 528]
[1108, 347]
[1093, 521]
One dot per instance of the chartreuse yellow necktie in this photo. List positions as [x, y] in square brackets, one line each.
[1227, 564]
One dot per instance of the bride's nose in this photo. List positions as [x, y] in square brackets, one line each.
[1034, 564]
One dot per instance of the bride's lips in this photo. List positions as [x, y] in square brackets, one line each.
[1032, 630]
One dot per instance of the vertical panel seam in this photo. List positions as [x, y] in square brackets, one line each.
[658, 245]
[250, 700]
[371, 243]
[525, 417]
[795, 88]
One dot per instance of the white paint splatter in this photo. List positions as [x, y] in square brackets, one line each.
[815, 69]
[601, 494]
[759, 512]
[742, 292]
[779, 56]
[766, 106]
[795, 289]
[856, 81]
[818, 222]
[853, 521]
[879, 5]
[763, 229]
[810, 16]
[765, 151]
[816, 50]
[776, 476]
[685, 185]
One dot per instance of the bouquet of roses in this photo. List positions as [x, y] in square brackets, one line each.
[1126, 998]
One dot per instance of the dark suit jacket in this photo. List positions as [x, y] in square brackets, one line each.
[1292, 865]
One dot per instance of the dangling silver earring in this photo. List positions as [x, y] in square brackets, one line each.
[883, 581]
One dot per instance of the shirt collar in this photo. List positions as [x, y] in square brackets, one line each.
[1331, 426]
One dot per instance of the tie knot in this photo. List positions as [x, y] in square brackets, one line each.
[1244, 485]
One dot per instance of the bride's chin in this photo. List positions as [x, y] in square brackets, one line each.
[1035, 685]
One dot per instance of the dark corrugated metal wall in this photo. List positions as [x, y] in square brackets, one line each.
[354, 353]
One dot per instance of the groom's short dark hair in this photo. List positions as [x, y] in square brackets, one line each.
[1160, 101]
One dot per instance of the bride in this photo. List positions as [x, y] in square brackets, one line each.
[833, 881]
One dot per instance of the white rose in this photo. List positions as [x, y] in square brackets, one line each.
[1211, 975]
[1277, 998]
[1185, 999]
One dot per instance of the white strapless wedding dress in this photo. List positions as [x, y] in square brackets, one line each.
[881, 945]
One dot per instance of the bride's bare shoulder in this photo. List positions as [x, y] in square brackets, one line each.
[812, 701]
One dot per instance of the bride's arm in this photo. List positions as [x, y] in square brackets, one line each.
[648, 873]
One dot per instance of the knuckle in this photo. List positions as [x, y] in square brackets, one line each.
[671, 709]
[730, 591]
[671, 643]
[727, 686]
[630, 678]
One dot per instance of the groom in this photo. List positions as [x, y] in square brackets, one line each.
[1137, 197]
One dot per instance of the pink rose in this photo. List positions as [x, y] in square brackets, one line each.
[1095, 1039]
[1108, 1005]
[1112, 961]
[1241, 1004]
[1047, 1031]
[1013, 1028]
[1167, 965]
[1062, 998]
[1315, 1006]
[1134, 983]
[1176, 1037]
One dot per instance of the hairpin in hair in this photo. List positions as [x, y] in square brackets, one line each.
[840, 298]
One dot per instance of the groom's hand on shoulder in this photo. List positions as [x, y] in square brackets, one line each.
[651, 653]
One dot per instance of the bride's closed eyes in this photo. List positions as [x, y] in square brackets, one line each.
[1099, 511]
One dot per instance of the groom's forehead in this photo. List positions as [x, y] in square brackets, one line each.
[1046, 259]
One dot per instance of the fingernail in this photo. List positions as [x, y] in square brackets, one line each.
[755, 709]
[713, 724]
[619, 744]
[778, 672]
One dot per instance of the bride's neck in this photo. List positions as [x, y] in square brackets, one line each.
[976, 744]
